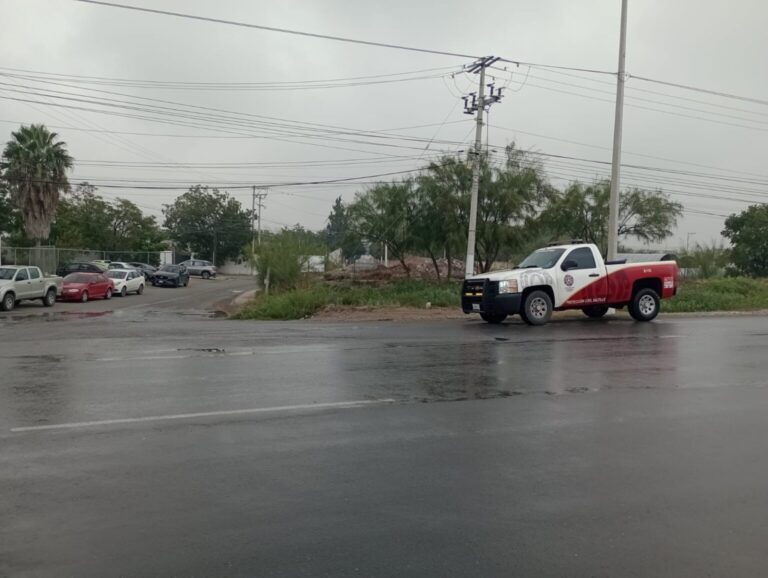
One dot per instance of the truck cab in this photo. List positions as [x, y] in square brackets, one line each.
[570, 276]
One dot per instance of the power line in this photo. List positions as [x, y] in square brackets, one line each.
[652, 101]
[702, 90]
[204, 85]
[332, 37]
[271, 185]
[281, 30]
[235, 119]
[658, 158]
[656, 92]
[658, 110]
[545, 66]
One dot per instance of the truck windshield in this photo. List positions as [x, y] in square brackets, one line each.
[544, 258]
[6, 273]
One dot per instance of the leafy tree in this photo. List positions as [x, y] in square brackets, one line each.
[748, 233]
[210, 223]
[284, 254]
[510, 202]
[35, 164]
[581, 212]
[441, 210]
[705, 261]
[86, 220]
[385, 214]
[82, 220]
[10, 218]
[340, 234]
[130, 229]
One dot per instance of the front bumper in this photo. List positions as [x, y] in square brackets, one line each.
[71, 296]
[482, 296]
[165, 281]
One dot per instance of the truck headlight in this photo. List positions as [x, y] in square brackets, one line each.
[508, 286]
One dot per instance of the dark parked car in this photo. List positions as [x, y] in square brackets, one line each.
[77, 267]
[204, 269]
[171, 276]
[147, 270]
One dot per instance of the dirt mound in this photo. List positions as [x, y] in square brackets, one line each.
[420, 268]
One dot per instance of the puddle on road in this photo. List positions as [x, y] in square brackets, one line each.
[55, 316]
[203, 349]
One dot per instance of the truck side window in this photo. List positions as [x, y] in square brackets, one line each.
[583, 256]
[34, 273]
[22, 275]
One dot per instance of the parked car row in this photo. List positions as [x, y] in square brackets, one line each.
[86, 280]
[203, 269]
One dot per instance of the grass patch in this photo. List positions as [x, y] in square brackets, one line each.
[726, 294]
[303, 302]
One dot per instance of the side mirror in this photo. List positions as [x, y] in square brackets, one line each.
[569, 264]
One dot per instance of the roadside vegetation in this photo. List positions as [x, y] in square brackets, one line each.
[306, 301]
[724, 294]
[695, 296]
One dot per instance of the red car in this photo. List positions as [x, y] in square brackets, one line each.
[85, 286]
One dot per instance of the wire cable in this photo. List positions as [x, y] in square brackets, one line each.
[281, 30]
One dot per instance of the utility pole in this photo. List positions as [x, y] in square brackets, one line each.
[688, 240]
[478, 105]
[253, 225]
[261, 196]
[254, 234]
[613, 211]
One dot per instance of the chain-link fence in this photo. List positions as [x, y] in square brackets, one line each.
[49, 259]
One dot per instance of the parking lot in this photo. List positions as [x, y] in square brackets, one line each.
[201, 295]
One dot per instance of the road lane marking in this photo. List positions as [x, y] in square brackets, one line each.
[256, 410]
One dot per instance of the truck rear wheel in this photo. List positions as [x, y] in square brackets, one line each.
[50, 298]
[537, 308]
[645, 305]
[493, 318]
[595, 311]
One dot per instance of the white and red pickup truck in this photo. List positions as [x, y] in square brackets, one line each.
[571, 276]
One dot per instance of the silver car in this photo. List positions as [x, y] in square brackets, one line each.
[204, 269]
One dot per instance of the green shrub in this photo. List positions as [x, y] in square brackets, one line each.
[725, 294]
[303, 302]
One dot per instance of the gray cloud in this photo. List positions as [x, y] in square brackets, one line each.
[711, 44]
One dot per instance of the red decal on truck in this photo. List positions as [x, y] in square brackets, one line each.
[616, 287]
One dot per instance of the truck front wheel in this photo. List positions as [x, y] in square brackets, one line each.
[9, 301]
[493, 318]
[537, 308]
[645, 305]
[595, 311]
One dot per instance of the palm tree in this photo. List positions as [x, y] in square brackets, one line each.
[34, 164]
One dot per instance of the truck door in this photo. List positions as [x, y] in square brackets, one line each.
[581, 279]
[22, 284]
[37, 283]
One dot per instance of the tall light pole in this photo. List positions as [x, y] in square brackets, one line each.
[613, 212]
[478, 104]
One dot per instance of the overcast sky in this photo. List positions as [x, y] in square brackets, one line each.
[717, 142]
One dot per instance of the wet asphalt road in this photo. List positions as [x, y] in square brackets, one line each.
[449, 448]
